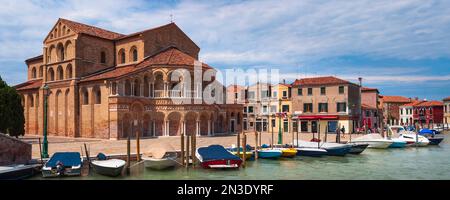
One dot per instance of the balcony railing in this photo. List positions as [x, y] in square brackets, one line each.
[160, 94]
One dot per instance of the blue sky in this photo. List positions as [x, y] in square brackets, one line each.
[400, 47]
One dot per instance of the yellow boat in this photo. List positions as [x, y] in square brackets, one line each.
[247, 156]
[288, 152]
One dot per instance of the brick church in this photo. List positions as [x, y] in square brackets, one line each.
[102, 84]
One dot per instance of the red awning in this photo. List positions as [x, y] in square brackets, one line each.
[317, 117]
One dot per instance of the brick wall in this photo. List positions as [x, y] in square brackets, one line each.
[13, 151]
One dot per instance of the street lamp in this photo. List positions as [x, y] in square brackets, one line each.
[45, 143]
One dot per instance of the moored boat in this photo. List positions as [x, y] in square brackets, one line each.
[63, 164]
[168, 160]
[312, 152]
[269, 153]
[247, 156]
[431, 135]
[374, 140]
[414, 139]
[108, 167]
[358, 148]
[397, 143]
[333, 149]
[286, 152]
[217, 157]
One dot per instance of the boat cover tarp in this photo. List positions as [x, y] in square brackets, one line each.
[426, 131]
[216, 152]
[67, 158]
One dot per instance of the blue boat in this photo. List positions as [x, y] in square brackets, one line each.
[311, 152]
[431, 136]
[63, 164]
[269, 153]
[397, 143]
[333, 149]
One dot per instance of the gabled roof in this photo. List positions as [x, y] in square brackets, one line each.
[90, 30]
[31, 84]
[395, 99]
[326, 80]
[429, 104]
[40, 57]
[169, 57]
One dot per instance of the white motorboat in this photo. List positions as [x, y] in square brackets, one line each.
[154, 162]
[375, 141]
[411, 138]
[109, 167]
[333, 149]
[414, 139]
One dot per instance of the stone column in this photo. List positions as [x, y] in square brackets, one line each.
[183, 127]
[197, 128]
[154, 128]
[209, 127]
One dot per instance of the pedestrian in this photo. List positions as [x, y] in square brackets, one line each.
[338, 134]
[343, 131]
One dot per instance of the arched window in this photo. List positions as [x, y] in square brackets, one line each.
[69, 71]
[137, 88]
[30, 100]
[85, 97]
[103, 57]
[41, 71]
[33, 72]
[51, 75]
[60, 72]
[121, 56]
[134, 53]
[114, 88]
[98, 95]
[51, 54]
[127, 88]
[60, 52]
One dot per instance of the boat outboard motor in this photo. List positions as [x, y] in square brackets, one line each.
[101, 156]
[60, 167]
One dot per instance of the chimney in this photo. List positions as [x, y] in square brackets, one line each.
[284, 81]
[360, 81]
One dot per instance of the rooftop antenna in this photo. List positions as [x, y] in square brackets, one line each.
[171, 18]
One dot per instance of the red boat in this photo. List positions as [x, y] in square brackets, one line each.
[217, 157]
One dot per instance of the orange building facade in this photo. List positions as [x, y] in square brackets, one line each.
[109, 85]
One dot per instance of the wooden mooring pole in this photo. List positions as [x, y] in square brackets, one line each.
[244, 150]
[238, 145]
[256, 145]
[138, 147]
[128, 155]
[193, 148]
[187, 150]
[182, 149]
[40, 150]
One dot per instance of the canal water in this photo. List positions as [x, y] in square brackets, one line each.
[412, 163]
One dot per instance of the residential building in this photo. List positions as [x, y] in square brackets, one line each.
[447, 110]
[370, 107]
[326, 103]
[103, 84]
[256, 107]
[391, 108]
[281, 108]
[407, 113]
[428, 113]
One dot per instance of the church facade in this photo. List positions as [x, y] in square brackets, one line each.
[102, 84]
